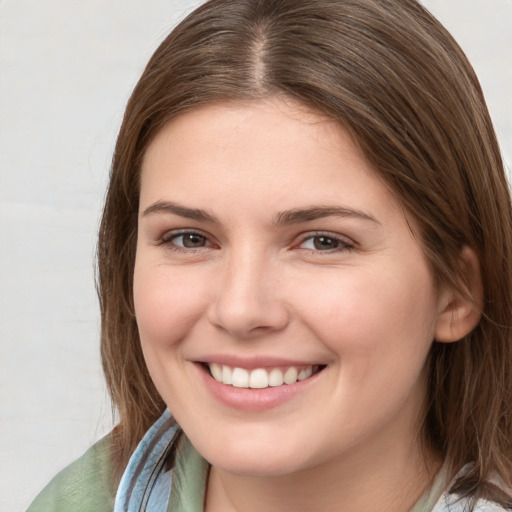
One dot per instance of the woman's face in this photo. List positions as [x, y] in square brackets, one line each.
[268, 251]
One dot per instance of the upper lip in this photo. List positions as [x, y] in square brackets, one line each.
[251, 363]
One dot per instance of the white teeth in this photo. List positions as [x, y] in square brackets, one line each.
[275, 377]
[240, 378]
[259, 378]
[290, 376]
[305, 373]
[216, 371]
[227, 375]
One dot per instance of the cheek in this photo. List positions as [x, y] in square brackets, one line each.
[368, 313]
[167, 304]
[379, 328]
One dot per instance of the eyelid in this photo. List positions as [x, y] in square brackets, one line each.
[170, 235]
[346, 244]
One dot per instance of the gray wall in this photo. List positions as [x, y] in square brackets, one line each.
[66, 70]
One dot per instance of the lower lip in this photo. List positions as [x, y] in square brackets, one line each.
[248, 399]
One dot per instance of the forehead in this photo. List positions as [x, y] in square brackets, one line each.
[217, 131]
[276, 151]
[280, 116]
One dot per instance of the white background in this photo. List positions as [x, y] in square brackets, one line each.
[66, 70]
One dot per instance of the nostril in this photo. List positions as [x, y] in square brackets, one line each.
[248, 319]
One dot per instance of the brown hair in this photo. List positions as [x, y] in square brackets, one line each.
[395, 78]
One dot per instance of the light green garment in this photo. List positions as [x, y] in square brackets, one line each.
[431, 496]
[189, 479]
[84, 486]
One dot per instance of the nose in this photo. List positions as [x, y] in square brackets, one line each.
[249, 299]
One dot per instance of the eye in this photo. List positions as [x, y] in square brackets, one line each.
[325, 243]
[186, 240]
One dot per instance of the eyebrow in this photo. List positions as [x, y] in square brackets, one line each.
[287, 217]
[182, 211]
[299, 215]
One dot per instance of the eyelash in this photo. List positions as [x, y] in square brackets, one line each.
[343, 245]
[170, 238]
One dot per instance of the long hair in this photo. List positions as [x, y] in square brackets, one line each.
[392, 76]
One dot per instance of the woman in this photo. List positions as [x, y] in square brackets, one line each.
[304, 262]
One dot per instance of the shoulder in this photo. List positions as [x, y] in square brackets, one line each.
[453, 503]
[83, 486]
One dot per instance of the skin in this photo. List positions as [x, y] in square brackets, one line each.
[361, 301]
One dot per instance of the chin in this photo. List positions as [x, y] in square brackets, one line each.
[254, 459]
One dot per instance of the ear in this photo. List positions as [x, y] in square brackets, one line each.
[460, 309]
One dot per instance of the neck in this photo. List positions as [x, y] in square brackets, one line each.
[390, 481]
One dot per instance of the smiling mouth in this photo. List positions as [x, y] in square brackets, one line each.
[261, 378]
